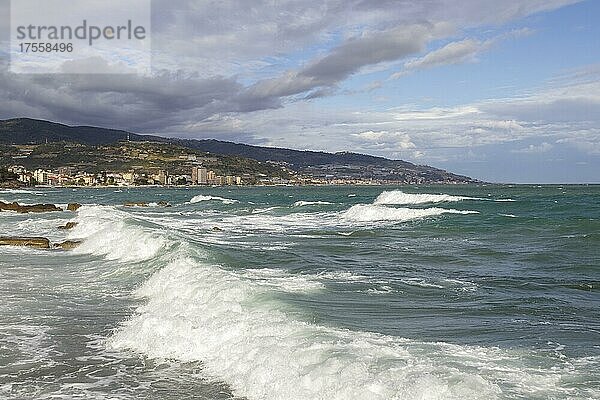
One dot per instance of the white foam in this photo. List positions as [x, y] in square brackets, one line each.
[201, 197]
[281, 280]
[232, 325]
[106, 232]
[421, 283]
[383, 289]
[370, 212]
[235, 326]
[343, 276]
[265, 210]
[399, 197]
[461, 285]
[302, 203]
[356, 217]
[263, 220]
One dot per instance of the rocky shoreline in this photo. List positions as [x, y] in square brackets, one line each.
[35, 208]
[24, 209]
[39, 242]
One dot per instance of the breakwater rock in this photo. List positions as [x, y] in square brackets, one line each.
[35, 208]
[67, 244]
[36, 242]
[73, 206]
[69, 225]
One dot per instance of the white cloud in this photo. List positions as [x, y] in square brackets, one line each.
[534, 149]
[458, 52]
[453, 53]
[383, 140]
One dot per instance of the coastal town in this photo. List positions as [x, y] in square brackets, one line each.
[68, 176]
[146, 163]
[19, 175]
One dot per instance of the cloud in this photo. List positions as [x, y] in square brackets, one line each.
[348, 58]
[125, 101]
[534, 149]
[452, 53]
[234, 67]
[370, 49]
[383, 141]
[458, 52]
[577, 101]
[438, 133]
[238, 29]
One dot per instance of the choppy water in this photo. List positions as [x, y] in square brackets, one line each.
[431, 292]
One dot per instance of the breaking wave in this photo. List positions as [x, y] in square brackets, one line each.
[199, 312]
[108, 232]
[373, 212]
[399, 197]
[201, 197]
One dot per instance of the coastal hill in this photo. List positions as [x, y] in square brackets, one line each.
[345, 165]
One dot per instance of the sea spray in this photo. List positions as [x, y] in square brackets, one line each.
[108, 232]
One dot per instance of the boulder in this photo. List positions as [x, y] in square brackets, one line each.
[217, 229]
[164, 204]
[67, 245]
[69, 225]
[73, 206]
[36, 208]
[36, 242]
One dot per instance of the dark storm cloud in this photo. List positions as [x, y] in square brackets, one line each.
[127, 101]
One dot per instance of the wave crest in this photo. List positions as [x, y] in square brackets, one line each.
[399, 197]
[372, 212]
[201, 197]
[199, 312]
[107, 232]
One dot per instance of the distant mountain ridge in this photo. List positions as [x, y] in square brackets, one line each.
[20, 131]
[34, 131]
[29, 131]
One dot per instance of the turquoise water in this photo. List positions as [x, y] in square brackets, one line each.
[414, 292]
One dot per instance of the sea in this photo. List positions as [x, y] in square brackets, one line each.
[333, 292]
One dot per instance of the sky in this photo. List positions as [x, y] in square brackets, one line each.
[503, 91]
